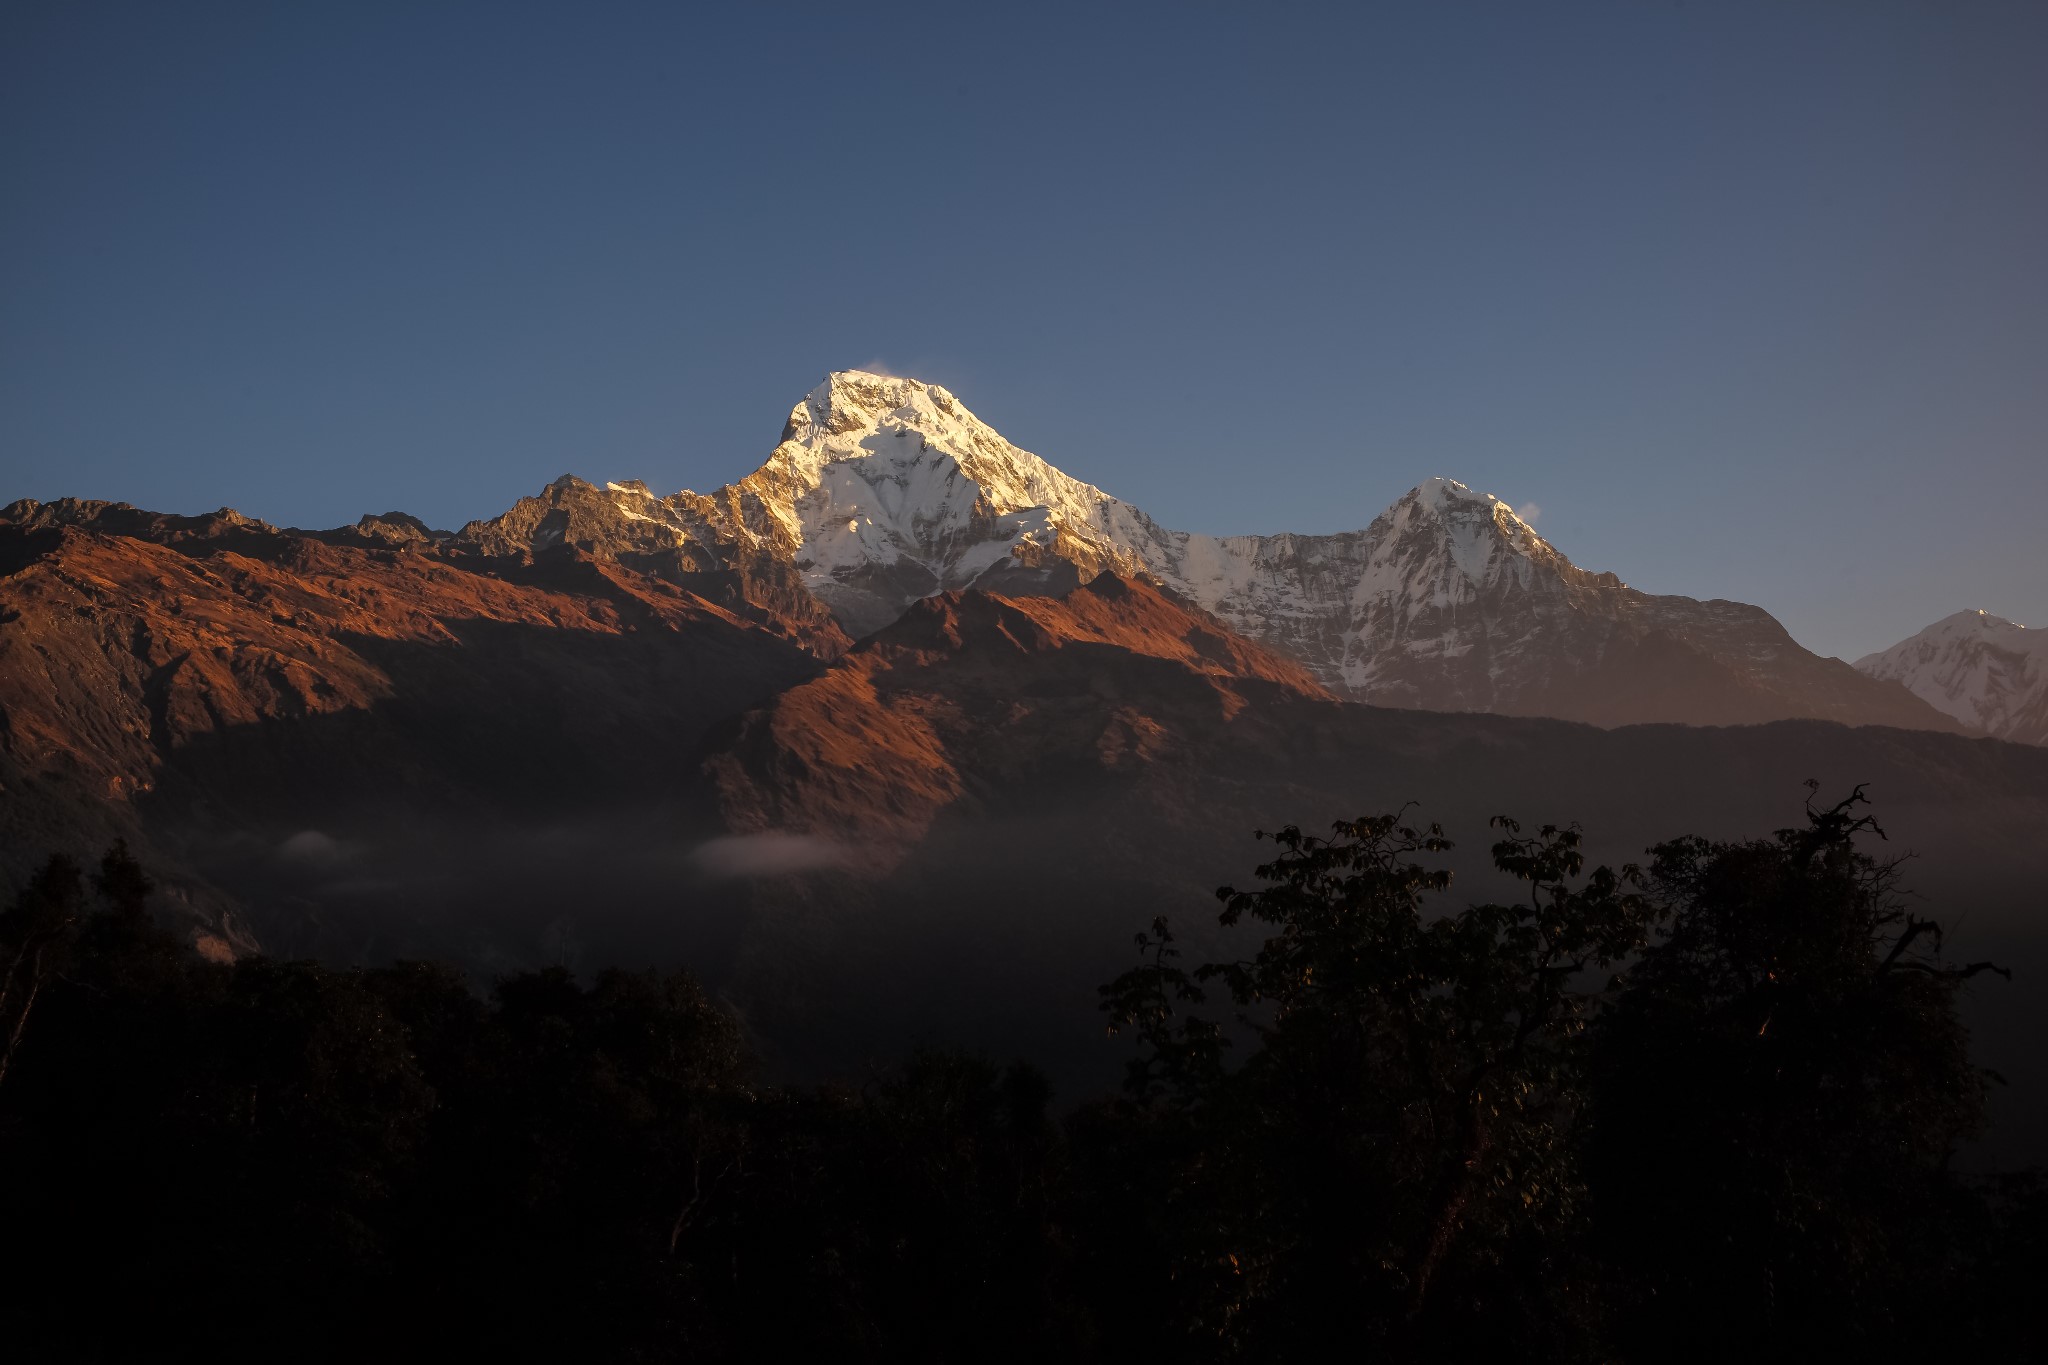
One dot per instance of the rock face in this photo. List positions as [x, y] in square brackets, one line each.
[966, 691]
[1983, 670]
[885, 491]
[163, 674]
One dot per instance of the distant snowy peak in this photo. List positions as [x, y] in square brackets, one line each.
[1480, 534]
[1455, 505]
[855, 415]
[1984, 670]
[1453, 501]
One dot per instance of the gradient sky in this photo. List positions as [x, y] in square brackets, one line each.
[1750, 300]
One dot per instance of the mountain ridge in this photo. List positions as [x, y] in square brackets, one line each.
[886, 491]
[1987, 672]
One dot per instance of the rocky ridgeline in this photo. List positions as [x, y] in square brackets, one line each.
[886, 491]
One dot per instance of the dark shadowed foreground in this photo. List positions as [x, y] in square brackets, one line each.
[1701, 1110]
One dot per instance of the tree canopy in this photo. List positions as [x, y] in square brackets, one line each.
[1698, 1109]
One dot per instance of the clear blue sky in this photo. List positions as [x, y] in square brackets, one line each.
[1751, 300]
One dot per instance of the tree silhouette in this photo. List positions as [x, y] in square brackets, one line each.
[1703, 1112]
[1777, 1097]
[1408, 1108]
[36, 937]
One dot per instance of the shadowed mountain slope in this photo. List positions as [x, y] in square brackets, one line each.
[218, 676]
[967, 690]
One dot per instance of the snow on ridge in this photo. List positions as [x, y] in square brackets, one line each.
[1982, 669]
[890, 488]
[1440, 492]
[884, 470]
[886, 489]
[883, 490]
[879, 470]
[853, 413]
[1978, 619]
[1963, 625]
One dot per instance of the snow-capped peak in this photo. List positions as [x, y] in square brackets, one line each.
[859, 415]
[1440, 492]
[1982, 669]
[888, 489]
[1482, 534]
[1449, 499]
[1977, 619]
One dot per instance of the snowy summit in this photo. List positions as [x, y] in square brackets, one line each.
[1984, 670]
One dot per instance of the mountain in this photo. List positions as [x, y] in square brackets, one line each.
[882, 491]
[388, 741]
[212, 688]
[885, 491]
[967, 690]
[1450, 601]
[1985, 671]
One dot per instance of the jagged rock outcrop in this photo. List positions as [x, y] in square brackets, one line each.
[684, 538]
[123, 519]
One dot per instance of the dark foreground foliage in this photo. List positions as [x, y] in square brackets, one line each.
[1698, 1111]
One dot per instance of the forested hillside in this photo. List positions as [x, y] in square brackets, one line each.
[1698, 1110]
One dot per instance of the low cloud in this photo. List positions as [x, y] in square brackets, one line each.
[923, 368]
[1529, 512]
[311, 848]
[775, 854]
